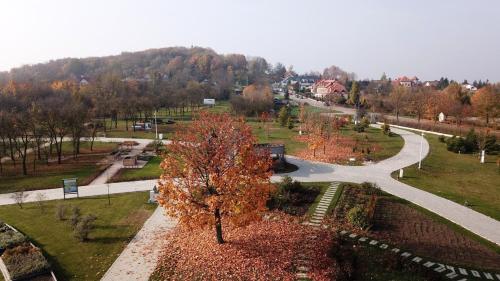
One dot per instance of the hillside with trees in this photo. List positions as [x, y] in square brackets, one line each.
[177, 65]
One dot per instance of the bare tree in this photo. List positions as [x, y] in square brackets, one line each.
[19, 197]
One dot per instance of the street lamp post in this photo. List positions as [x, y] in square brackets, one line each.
[156, 127]
[421, 148]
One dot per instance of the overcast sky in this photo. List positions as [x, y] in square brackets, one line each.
[454, 38]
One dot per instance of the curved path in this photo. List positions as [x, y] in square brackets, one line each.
[380, 173]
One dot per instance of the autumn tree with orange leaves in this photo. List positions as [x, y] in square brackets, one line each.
[486, 102]
[213, 171]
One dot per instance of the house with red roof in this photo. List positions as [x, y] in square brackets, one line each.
[407, 82]
[323, 88]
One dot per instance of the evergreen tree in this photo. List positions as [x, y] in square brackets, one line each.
[283, 116]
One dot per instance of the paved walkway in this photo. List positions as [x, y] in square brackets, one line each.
[118, 163]
[85, 191]
[138, 261]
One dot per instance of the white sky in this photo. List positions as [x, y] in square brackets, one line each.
[454, 38]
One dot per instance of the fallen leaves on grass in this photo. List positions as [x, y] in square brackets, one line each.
[264, 250]
[337, 149]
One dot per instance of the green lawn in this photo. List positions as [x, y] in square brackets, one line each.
[85, 168]
[116, 225]
[458, 177]
[152, 170]
[278, 134]
[389, 145]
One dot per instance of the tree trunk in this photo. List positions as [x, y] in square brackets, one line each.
[25, 156]
[59, 150]
[12, 157]
[218, 226]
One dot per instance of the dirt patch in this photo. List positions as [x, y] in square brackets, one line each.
[402, 225]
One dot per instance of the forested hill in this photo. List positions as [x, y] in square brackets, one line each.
[176, 64]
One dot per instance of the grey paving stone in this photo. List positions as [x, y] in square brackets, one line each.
[384, 246]
[440, 269]
[429, 264]
[373, 242]
[462, 271]
[475, 273]
[451, 275]
[303, 268]
[353, 235]
[363, 239]
[395, 250]
[405, 254]
[302, 275]
[416, 259]
[343, 232]
[488, 276]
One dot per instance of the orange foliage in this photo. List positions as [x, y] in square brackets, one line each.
[265, 250]
[213, 171]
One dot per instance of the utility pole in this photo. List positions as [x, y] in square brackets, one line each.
[156, 126]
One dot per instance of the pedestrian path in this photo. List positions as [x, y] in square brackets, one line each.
[118, 163]
[303, 262]
[139, 259]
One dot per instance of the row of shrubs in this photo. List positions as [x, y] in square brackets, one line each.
[472, 143]
[359, 204]
[82, 224]
[292, 197]
[22, 259]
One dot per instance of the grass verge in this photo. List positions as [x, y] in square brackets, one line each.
[115, 226]
[458, 177]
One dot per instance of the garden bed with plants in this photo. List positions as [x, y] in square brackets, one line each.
[368, 211]
[293, 197]
[20, 259]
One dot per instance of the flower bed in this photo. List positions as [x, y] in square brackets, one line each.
[9, 237]
[22, 259]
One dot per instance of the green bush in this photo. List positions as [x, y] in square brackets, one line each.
[357, 217]
[359, 127]
[75, 216]
[365, 122]
[25, 261]
[386, 129]
[371, 188]
[61, 212]
[84, 227]
[292, 197]
[491, 146]
[10, 238]
[442, 139]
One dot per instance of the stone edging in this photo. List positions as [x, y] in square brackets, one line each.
[447, 270]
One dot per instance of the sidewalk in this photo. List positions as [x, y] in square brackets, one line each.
[85, 191]
[138, 261]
